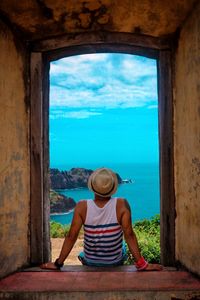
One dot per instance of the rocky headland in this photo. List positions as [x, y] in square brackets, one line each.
[60, 203]
[74, 178]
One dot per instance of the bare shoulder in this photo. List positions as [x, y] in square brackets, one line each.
[122, 204]
[123, 207]
[81, 210]
[81, 205]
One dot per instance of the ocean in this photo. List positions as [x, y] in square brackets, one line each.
[143, 193]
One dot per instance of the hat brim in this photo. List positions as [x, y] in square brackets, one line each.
[110, 193]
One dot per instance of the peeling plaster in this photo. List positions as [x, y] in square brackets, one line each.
[187, 144]
[38, 19]
[14, 155]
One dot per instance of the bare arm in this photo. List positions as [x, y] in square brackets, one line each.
[73, 233]
[71, 236]
[131, 238]
[129, 234]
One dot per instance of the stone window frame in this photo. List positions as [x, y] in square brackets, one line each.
[42, 53]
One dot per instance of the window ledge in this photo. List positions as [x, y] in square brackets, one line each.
[112, 283]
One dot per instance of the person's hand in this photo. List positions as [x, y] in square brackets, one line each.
[48, 266]
[153, 267]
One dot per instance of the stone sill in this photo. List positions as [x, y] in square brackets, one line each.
[78, 282]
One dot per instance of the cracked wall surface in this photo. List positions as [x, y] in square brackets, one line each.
[37, 19]
[14, 158]
[187, 144]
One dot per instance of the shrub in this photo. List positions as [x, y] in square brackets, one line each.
[148, 235]
[57, 230]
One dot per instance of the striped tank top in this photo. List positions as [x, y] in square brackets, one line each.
[102, 234]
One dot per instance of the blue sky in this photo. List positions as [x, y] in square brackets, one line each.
[103, 108]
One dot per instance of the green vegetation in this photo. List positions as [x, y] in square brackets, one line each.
[57, 230]
[148, 235]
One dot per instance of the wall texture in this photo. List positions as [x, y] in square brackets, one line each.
[187, 143]
[14, 155]
[42, 19]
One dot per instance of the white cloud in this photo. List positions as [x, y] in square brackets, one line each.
[82, 114]
[137, 68]
[74, 64]
[152, 106]
[103, 80]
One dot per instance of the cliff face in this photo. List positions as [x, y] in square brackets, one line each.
[60, 203]
[75, 178]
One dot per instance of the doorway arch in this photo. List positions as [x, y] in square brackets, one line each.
[43, 52]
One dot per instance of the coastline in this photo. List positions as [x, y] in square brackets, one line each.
[72, 189]
[62, 213]
[143, 194]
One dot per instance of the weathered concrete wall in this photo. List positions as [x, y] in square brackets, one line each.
[14, 155]
[187, 143]
[40, 19]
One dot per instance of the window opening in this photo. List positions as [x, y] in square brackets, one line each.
[103, 112]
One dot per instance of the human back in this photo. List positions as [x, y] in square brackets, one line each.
[103, 234]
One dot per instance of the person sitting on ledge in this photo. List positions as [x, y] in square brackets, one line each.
[105, 220]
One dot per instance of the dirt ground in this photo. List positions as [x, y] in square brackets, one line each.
[56, 245]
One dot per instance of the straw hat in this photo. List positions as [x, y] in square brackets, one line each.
[103, 182]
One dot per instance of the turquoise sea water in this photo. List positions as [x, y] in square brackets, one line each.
[143, 194]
